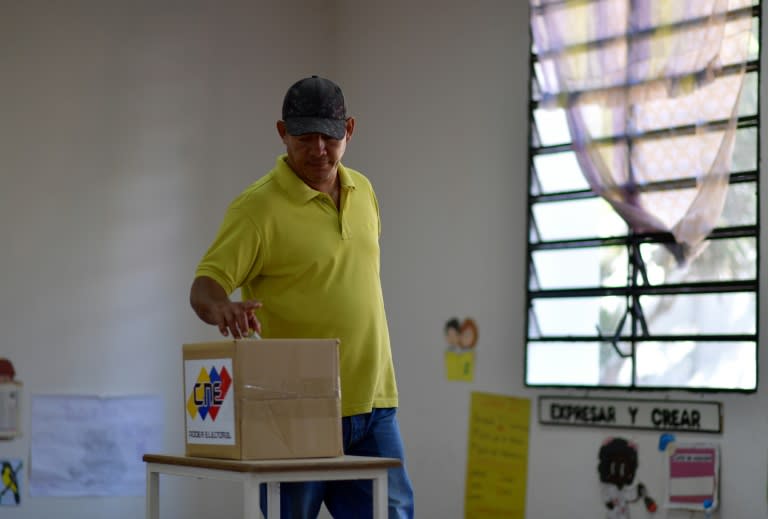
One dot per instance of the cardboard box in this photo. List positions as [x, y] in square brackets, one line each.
[263, 399]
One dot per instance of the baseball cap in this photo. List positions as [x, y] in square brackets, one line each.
[315, 105]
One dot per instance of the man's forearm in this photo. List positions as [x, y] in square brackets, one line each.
[206, 292]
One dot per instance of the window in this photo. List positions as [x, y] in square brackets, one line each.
[643, 194]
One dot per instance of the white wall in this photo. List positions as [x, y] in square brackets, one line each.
[127, 127]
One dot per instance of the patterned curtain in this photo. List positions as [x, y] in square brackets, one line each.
[626, 72]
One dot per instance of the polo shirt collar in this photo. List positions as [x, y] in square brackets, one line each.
[299, 191]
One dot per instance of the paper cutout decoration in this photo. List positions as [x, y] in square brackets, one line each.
[10, 401]
[10, 482]
[461, 339]
[618, 462]
[693, 476]
[7, 372]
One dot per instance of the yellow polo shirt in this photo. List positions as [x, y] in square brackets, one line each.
[316, 271]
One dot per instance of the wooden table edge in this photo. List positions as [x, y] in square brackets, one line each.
[283, 465]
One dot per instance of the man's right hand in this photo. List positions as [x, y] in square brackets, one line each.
[236, 318]
[211, 303]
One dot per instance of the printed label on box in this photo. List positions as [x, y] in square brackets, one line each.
[210, 401]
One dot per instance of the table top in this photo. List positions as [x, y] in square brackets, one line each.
[282, 465]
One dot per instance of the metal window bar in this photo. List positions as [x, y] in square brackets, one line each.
[749, 121]
[739, 231]
[739, 177]
[752, 11]
[749, 67]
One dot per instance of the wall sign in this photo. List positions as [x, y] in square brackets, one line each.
[655, 415]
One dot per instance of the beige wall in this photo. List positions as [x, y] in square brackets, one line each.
[440, 91]
[126, 128]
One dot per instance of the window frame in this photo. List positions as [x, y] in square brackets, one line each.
[632, 241]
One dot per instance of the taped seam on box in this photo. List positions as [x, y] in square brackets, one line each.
[312, 389]
[306, 385]
[335, 400]
[297, 410]
[266, 396]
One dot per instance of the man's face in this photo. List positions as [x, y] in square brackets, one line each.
[315, 157]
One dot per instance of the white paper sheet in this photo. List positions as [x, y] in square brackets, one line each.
[92, 446]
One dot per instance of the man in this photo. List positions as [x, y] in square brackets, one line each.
[302, 244]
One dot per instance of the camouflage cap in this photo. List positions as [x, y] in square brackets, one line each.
[315, 105]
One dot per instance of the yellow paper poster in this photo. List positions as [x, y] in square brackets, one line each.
[497, 459]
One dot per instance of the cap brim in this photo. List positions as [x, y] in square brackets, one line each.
[335, 128]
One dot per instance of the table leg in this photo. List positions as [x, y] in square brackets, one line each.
[251, 498]
[153, 493]
[273, 500]
[380, 496]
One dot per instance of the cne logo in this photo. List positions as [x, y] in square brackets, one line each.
[209, 393]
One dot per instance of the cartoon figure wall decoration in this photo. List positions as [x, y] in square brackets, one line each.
[617, 467]
[461, 339]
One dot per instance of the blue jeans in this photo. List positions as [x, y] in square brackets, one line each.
[372, 434]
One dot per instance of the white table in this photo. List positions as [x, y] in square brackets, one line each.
[272, 472]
